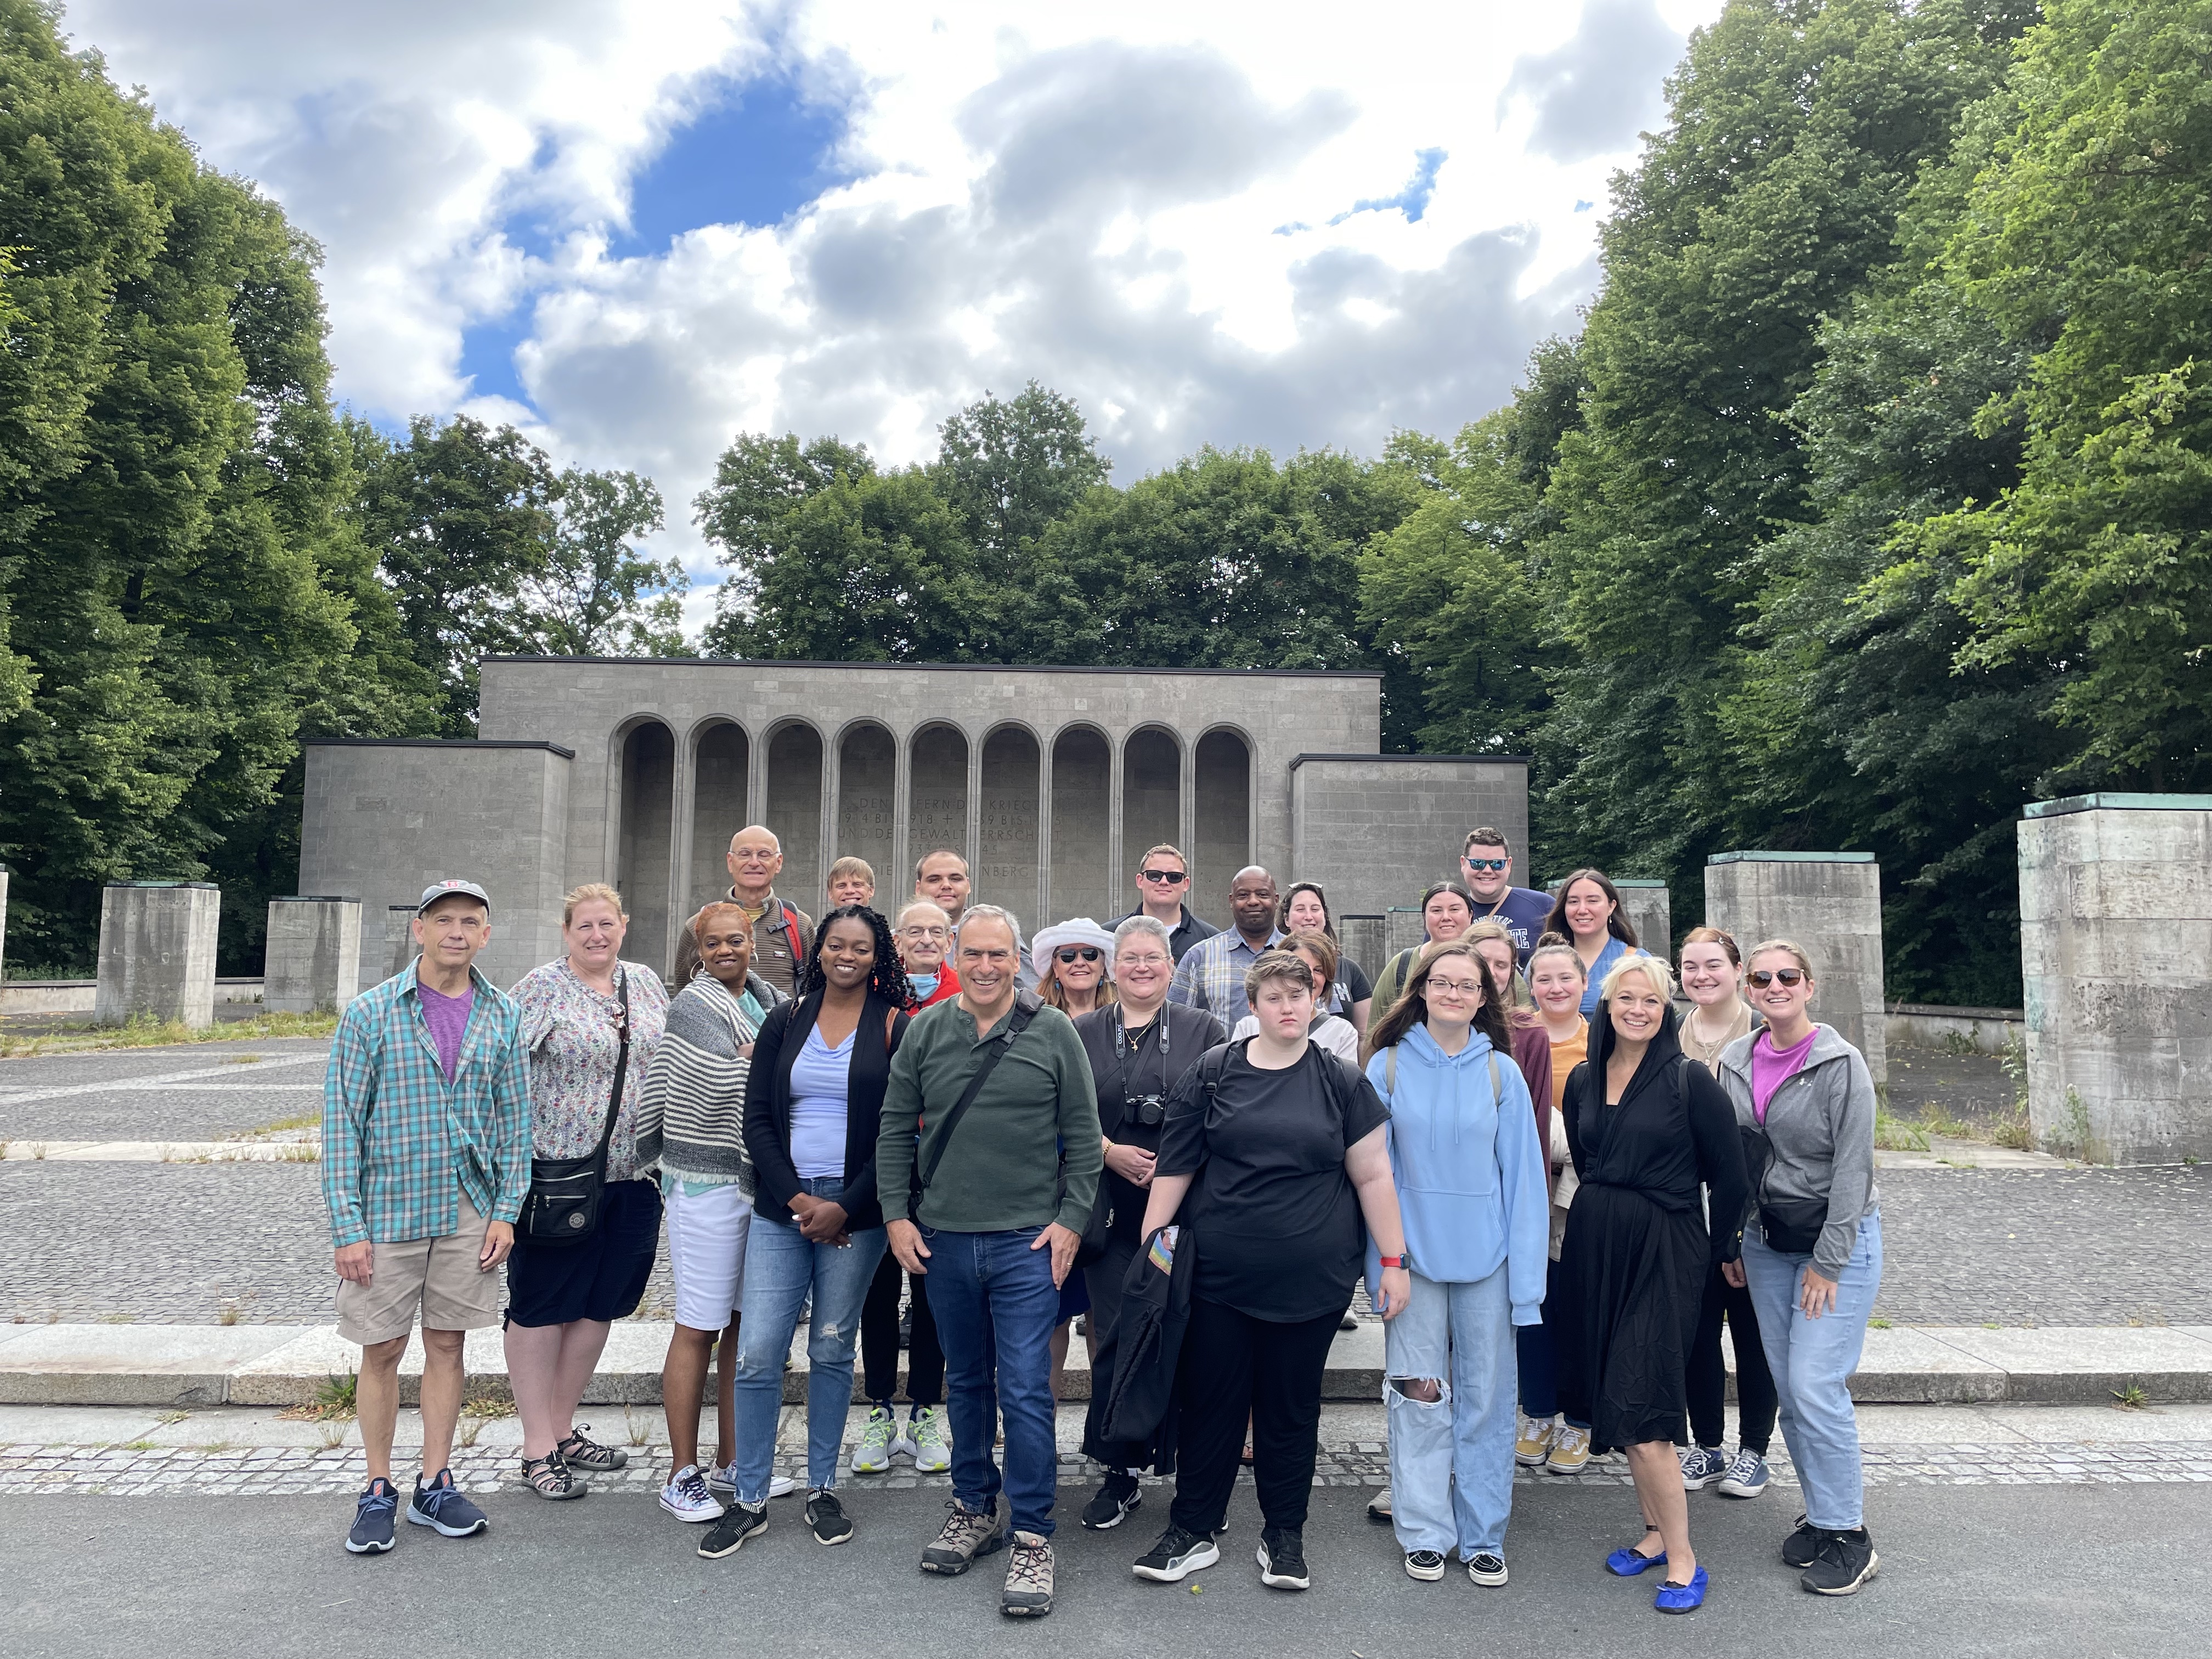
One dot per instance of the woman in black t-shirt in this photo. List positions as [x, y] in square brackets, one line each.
[1279, 1148]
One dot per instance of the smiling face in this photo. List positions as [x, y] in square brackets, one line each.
[1588, 908]
[1284, 1008]
[986, 962]
[1708, 975]
[1638, 1009]
[851, 890]
[1488, 871]
[1781, 1004]
[944, 882]
[725, 947]
[1253, 902]
[924, 935]
[849, 953]
[1079, 976]
[1446, 916]
[594, 935]
[1142, 971]
[451, 931]
[1454, 990]
[1556, 981]
[1306, 912]
[754, 861]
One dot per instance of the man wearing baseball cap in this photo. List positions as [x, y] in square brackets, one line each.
[425, 1162]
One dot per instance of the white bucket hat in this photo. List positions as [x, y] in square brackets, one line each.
[1076, 930]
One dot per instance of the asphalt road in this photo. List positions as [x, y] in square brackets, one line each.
[2074, 1570]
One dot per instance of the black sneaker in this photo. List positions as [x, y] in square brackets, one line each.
[1486, 1567]
[1427, 1566]
[372, 1519]
[446, 1508]
[1114, 1500]
[1176, 1556]
[826, 1518]
[1803, 1547]
[1847, 1561]
[728, 1535]
[1283, 1559]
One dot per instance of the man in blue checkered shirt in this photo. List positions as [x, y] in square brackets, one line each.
[425, 1163]
[1211, 974]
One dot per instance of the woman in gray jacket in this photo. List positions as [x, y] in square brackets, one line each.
[1812, 1249]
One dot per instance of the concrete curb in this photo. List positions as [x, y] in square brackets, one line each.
[187, 1365]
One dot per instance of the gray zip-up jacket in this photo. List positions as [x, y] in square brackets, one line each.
[1821, 1126]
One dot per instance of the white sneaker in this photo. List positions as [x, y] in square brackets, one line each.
[879, 1441]
[925, 1434]
[725, 1480]
[687, 1497]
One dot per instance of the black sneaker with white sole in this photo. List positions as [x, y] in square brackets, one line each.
[1175, 1556]
[1111, 1507]
[1847, 1561]
[1283, 1559]
[1486, 1567]
[1803, 1547]
[727, 1536]
[826, 1518]
[446, 1509]
[1427, 1566]
[373, 1513]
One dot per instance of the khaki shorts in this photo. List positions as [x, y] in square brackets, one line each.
[437, 1275]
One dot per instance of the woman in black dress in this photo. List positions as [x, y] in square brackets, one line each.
[1646, 1127]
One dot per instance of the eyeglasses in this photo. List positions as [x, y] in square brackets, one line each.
[1165, 878]
[922, 933]
[1078, 953]
[1763, 977]
[1465, 988]
[1480, 864]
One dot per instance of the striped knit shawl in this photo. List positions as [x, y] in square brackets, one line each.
[691, 1120]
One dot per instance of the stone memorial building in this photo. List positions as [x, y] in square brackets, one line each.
[1052, 781]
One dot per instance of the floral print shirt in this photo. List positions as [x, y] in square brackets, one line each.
[569, 1032]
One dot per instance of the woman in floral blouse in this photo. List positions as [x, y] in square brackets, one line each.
[562, 1298]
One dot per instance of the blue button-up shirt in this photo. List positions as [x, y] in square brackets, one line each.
[1211, 974]
[400, 1142]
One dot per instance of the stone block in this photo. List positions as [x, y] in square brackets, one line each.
[130, 1364]
[2076, 1365]
[1360, 938]
[313, 956]
[1646, 906]
[157, 952]
[1377, 828]
[1910, 1367]
[1830, 904]
[399, 938]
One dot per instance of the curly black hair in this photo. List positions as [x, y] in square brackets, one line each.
[887, 979]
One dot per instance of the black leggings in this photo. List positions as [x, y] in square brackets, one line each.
[1234, 1365]
[879, 1343]
[1707, 1379]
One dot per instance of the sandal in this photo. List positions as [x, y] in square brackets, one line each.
[550, 1478]
[580, 1452]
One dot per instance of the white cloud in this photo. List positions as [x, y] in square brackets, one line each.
[1086, 196]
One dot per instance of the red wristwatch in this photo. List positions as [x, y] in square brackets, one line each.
[1392, 1261]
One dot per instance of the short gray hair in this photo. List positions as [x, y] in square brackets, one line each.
[991, 912]
[1150, 925]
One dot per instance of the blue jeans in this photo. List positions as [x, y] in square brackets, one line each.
[1540, 1363]
[995, 1306]
[781, 1267]
[1812, 1360]
[1451, 1460]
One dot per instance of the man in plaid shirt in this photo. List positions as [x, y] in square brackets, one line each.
[425, 1163]
[1211, 974]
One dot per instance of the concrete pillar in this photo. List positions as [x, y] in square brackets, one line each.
[399, 938]
[1645, 905]
[2116, 960]
[157, 952]
[313, 963]
[1830, 904]
[1402, 929]
[1361, 939]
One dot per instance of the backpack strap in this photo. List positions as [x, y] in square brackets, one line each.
[791, 932]
[1390, 1071]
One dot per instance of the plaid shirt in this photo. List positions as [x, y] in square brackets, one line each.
[1211, 974]
[399, 1141]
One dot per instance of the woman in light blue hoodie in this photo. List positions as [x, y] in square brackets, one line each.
[1469, 1171]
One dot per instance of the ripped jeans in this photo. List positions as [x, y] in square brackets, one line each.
[780, 1268]
[1451, 1460]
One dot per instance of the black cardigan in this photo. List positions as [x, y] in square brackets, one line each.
[768, 1106]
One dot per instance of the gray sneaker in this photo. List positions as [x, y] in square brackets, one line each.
[966, 1535]
[1027, 1594]
[372, 1519]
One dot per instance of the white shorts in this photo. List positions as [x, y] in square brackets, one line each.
[706, 1254]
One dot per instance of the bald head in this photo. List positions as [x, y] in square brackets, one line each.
[755, 860]
[1253, 902]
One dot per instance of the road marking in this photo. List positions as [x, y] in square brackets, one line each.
[16, 1096]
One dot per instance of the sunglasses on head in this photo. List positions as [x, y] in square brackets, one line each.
[1487, 864]
[1078, 953]
[1763, 977]
[1165, 878]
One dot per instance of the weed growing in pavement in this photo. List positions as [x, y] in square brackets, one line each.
[168, 1418]
[38, 1151]
[298, 1152]
[1877, 1324]
[304, 1121]
[467, 1432]
[639, 1432]
[1960, 1044]
[487, 1404]
[137, 1446]
[335, 1397]
[2130, 1399]
[332, 1436]
[1893, 1135]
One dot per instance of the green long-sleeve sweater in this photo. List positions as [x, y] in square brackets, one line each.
[1002, 1167]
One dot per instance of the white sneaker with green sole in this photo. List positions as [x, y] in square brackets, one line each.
[932, 1449]
[873, 1454]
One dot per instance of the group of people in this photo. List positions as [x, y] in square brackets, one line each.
[912, 1127]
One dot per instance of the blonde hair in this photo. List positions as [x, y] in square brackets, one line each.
[1788, 946]
[1654, 968]
[1553, 946]
[849, 867]
[591, 892]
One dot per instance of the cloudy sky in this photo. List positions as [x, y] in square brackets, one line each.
[634, 227]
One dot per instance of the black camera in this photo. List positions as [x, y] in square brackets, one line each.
[1150, 1110]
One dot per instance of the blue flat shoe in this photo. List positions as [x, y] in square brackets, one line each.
[1626, 1561]
[1681, 1598]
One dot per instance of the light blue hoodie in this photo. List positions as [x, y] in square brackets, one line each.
[1469, 1173]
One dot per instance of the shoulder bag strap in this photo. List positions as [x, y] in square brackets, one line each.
[1017, 1023]
[622, 1069]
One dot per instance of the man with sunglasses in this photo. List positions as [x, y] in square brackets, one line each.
[1163, 883]
[1487, 864]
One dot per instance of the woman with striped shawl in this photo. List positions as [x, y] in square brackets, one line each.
[691, 1128]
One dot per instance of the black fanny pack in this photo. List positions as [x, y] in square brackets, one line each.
[1793, 1225]
[563, 1206]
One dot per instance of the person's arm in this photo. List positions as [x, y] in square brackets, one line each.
[775, 1179]
[1720, 1159]
[895, 1151]
[349, 1097]
[1358, 1014]
[1166, 1198]
[1524, 1188]
[1182, 990]
[511, 1112]
[1367, 1161]
[1851, 1131]
[1078, 1128]
[861, 1189]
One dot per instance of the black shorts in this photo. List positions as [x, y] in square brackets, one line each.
[604, 1277]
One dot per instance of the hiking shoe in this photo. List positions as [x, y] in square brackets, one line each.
[927, 1441]
[723, 1481]
[966, 1535]
[1176, 1556]
[1534, 1443]
[1847, 1561]
[551, 1479]
[739, 1523]
[579, 1451]
[1378, 1508]
[826, 1518]
[1701, 1467]
[878, 1439]
[1114, 1500]
[1027, 1594]
[1486, 1567]
[1803, 1547]
[1569, 1449]
[445, 1507]
[1426, 1565]
[1745, 1476]
[372, 1519]
[1283, 1559]
[687, 1497]
[1681, 1598]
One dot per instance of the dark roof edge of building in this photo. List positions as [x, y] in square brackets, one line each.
[1502, 760]
[437, 743]
[958, 667]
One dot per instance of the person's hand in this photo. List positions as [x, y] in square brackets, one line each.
[1132, 1164]
[906, 1244]
[1397, 1291]
[499, 1242]
[800, 1204]
[1062, 1243]
[1732, 1272]
[1819, 1296]
[744, 1051]
[355, 1261]
[822, 1222]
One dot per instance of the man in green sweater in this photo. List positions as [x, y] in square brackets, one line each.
[986, 1206]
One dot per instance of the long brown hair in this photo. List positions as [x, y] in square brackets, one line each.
[1412, 1007]
[1616, 924]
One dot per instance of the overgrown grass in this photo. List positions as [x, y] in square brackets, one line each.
[335, 1397]
[148, 1033]
[1893, 1134]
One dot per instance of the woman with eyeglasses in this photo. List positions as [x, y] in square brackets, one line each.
[1331, 1031]
[1074, 966]
[1305, 910]
[1139, 1047]
[1447, 911]
[1589, 916]
[1812, 1250]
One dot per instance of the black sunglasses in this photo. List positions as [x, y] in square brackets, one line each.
[1072, 952]
[1165, 878]
[1763, 977]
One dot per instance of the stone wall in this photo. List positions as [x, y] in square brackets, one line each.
[1375, 829]
[157, 952]
[1829, 903]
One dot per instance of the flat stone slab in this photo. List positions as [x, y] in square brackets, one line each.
[129, 1366]
[1909, 1365]
[2090, 1367]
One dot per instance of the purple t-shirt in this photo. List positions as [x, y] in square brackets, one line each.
[448, 1020]
[1772, 1068]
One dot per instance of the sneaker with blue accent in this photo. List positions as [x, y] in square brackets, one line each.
[687, 1497]
[1681, 1598]
[1746, 1477]
[1701, 1467]
[372, 1519]
[445, 1508]
[1627, 1561]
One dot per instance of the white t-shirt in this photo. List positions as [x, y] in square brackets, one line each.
[1334, 1033]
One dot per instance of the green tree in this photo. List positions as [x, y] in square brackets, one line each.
[599, 595]
[759, 481]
